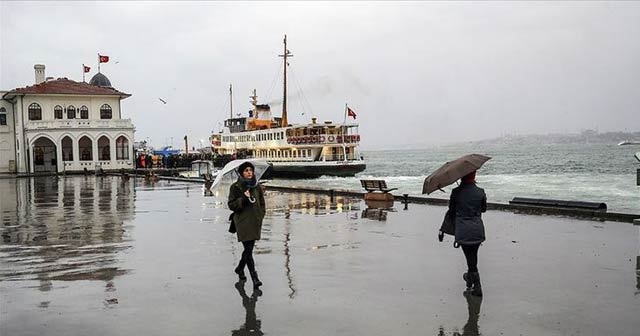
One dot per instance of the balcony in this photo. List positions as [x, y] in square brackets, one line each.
[79, 124]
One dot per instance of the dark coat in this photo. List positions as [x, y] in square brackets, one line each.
[468, 202]
[247, 216]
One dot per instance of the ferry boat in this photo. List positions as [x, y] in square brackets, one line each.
[295, 150]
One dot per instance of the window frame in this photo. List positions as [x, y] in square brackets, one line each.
[58, 112]
[32, 110]
[104, 109]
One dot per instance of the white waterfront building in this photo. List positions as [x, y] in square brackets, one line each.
[60, 125]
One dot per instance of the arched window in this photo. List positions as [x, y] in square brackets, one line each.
[3, 116]
[57, 112]
[35, 111]
[104, 148]
[122, 148]
[71, 112]
[105, 111]
[84, 112]
[67, 149]
[85, 146]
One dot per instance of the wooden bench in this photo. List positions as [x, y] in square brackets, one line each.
[376, 185]
[377, 190]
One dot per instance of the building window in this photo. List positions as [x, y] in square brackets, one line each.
[3, 116]
[57, 112]
[104, 148]
[35, 111]
[71, 112]
[122, 148]
[84, 112]
[105, 112]
[67, 149]
[85, 146]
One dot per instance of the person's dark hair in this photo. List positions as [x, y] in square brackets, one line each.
[244, 166]
[469, 178]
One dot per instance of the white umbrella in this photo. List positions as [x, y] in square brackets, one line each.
[230, 174]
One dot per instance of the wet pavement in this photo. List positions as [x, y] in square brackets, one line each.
[87, 255]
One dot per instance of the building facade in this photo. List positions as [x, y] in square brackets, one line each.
[59, 125]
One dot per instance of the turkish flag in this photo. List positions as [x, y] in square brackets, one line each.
[103, 59]
[86, 68]
[351, 113]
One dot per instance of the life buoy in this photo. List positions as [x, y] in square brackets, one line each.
[322, 138]
[331, 138]
[315, 139]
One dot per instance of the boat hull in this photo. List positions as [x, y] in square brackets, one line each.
[307, 170]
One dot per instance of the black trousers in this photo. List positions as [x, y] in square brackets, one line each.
[471, 254]
[247, 256]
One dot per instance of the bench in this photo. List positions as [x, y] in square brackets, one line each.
[377, 190]
[376, 185]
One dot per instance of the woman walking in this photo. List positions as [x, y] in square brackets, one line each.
[246, 200]
[468, 202]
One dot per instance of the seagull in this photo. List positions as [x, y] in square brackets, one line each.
[162, 100]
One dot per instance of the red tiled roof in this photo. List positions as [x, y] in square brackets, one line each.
[67, 86]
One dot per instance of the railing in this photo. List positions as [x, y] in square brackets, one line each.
[323, 139]
[79, 123]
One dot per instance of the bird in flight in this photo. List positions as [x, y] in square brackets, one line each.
[162, 100]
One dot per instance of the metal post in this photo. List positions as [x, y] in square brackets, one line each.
[405, 201]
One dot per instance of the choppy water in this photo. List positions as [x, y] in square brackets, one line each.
[569, 171]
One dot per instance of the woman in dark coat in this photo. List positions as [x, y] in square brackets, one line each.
[246, 200]
[468, 202]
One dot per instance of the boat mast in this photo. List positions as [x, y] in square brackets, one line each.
[285, 55]
[231, 101]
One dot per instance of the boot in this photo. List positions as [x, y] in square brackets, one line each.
[467, 279]
[477, 287]
[240, 272]
[256, 282]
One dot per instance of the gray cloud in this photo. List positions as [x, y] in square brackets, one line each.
[415, 72]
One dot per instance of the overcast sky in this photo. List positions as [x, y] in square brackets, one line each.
[416, 73]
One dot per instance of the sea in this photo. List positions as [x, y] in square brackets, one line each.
[575, 169]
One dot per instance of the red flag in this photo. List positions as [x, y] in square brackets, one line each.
[103, 59]
[86, 68]
[351, 113]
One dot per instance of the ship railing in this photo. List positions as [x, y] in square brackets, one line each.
[323, 139]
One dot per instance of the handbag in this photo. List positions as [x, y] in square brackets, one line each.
[232, 225]
[449, 223]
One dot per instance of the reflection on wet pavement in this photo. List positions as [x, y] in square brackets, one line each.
[155, 257]
[251, 324]
[64, 228]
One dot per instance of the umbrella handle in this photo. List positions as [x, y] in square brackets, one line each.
[252, 199]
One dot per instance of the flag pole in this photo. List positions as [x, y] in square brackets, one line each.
[345, 113]
[83, 73]
[98, 63]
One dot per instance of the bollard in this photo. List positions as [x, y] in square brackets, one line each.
[638, 177]
[405, 201]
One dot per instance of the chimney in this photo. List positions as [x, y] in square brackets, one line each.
[39, 68]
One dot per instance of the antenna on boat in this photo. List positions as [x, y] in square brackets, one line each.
[285, 55]
[231, 101]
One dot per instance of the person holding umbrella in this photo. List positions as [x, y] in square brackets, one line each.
[468, 202]
[246, 200]
[466, 205]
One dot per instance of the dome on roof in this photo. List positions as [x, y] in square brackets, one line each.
[100, 80]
